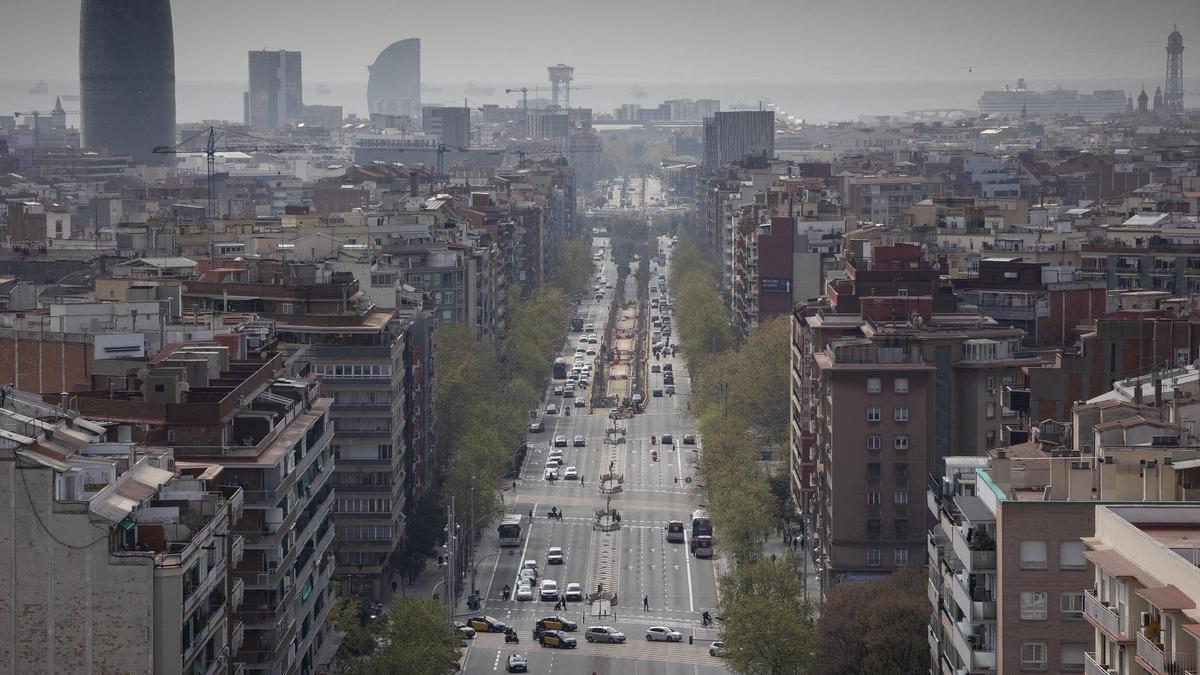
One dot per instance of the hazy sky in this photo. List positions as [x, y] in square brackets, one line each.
[647, 40]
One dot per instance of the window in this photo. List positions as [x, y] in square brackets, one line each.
[873, 527]
[873, 470]
[1033, 656]
[1008, 380]
[873, 385]
[285, 308]
[990, 410]
[901, 557]
[901, 497]
[384, 451]
[901, 413]
[170, 435]
[900, 386]
[873, 413]
[872, 497]
[873, 442]
[902, 292]
[1071, 605]
[1033, 555]
[901, 528]
[1070, 555]
[989, 438]
[873, 557]
[1070, 655]
[901, 473]
[901, 442]
[1033, 606]
[989, 383]
[1181, 357]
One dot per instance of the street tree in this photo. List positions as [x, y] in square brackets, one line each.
[413, 636]
[766, 621]
[875, 626]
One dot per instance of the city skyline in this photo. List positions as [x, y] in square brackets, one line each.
[1118, 40]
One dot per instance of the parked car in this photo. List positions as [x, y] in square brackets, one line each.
[718, 649]
[466, 630]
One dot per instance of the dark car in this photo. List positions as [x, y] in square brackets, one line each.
[537, 427]
[557, 638]
[666, 439]
[557, 623]
[486, 624]
[668, 379]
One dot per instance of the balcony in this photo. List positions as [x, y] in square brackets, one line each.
[1102, 616]
[1093, 667]
[236, 593]
[237, 550]
[968, 641]
[1156, 661]
[977, 604]
[238, 637]
[973, 561]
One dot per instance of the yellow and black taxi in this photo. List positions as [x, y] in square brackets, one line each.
[556, 623]
[557, 638]
[486, 624]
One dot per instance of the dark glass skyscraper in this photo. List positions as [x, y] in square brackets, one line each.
[394, 85]
[127, 76]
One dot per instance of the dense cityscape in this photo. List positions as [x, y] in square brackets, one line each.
[462, 378]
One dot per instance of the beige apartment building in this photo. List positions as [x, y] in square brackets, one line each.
[1142, 600]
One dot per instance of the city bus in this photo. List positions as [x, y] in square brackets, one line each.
[701, 525]
[560, 368]
[510, 530]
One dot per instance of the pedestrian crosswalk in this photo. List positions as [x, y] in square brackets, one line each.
[636, 648]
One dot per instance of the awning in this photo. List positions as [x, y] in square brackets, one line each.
[1118, 565]
[1166, 597]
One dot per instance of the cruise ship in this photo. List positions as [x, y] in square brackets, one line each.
[1013, 102]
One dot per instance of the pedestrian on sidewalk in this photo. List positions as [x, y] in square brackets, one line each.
[645, 603]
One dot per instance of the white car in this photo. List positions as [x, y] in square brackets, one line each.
[556, 457]
[530, 564]
[527, 576]
[554, 556]
[663, 634]
[551, 474]
[560, 441]
[525, 592]
[551, 409]
[570, 474]
[549, 589]
[574, 592]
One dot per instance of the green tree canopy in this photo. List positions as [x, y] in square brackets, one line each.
[415, 637]
[767, 624]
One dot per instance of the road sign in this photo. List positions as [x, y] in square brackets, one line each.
[688, 480]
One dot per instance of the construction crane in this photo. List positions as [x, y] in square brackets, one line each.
[525, 101]
[210, 152]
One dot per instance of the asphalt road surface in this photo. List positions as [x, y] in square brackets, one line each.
[636, 560]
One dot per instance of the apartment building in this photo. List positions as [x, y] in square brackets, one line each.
[225, 410]
[733, 136]
[882, 199]
[361, 363]
[1141, 602]
[142, 553]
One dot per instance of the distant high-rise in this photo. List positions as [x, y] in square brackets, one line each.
[560, 84]
[452, 126]
[394, 84]
[275, 95]
[127, 76]
[735, 136]
[1173, 96]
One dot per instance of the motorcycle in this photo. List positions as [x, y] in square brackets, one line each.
[511, 636]
[654, 456]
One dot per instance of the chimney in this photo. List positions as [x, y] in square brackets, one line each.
[63, 398]
[1158, 394]
[1137, 393]
[414, 188]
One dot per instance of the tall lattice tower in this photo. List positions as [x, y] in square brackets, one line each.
[1173, 96]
